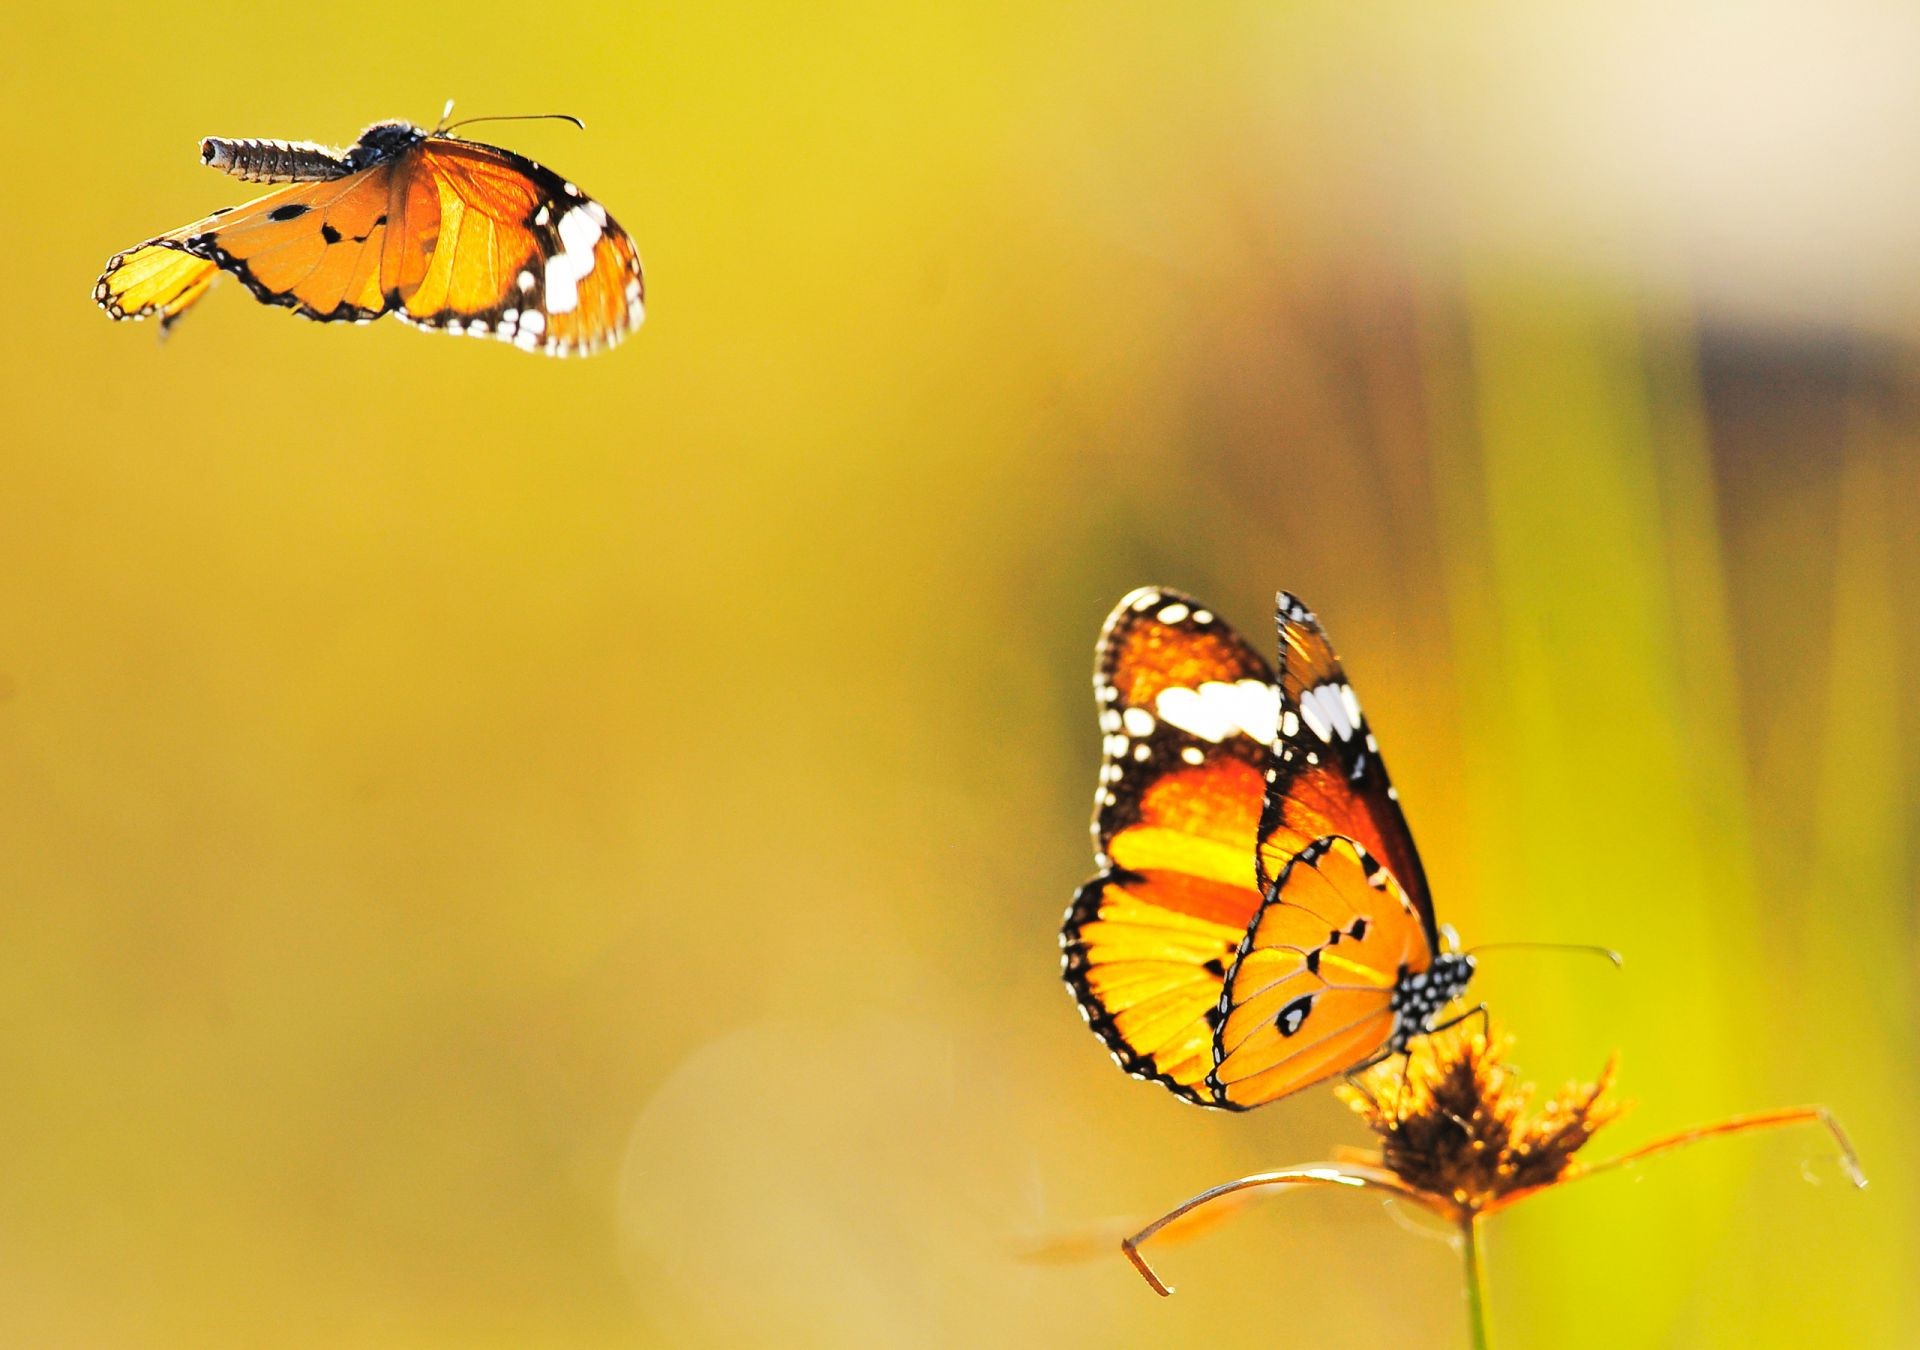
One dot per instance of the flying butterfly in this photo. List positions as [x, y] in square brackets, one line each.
[446, 233]
[1261, 920]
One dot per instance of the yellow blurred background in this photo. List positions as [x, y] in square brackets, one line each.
[502, 852]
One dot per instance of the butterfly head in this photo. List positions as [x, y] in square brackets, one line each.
[382, 141]
[1420, 995]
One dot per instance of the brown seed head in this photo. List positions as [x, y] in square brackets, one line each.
[1454, 1123]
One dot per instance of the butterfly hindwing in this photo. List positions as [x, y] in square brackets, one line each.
[313, 247]
[1310, 991]
[1144, 954]
[1327, 777]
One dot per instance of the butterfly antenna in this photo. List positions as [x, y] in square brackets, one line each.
[1586, 948]
[446, 126]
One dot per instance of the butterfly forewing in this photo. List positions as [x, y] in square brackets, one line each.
[520, 255]
[1327, 774]
[1186, 708]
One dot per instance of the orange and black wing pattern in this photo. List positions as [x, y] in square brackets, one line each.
[313, 247]
[1327, 777]
[1311, 991]
[491, 244]
[449, 234]
[1249, 932]
[1188, 711]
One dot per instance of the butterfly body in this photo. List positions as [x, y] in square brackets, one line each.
[446, 233]
[1261, 919]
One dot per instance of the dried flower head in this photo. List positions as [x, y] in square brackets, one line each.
[1458, 1136]
[1455, 1122]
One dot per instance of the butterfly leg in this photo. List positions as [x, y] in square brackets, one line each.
[1479, 1010]
[1352, 1076]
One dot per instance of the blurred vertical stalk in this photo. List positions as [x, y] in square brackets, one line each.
[1476, 1274]
[1598, 696]
[1851, 880]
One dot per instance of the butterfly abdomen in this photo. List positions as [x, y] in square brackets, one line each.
[262, 161]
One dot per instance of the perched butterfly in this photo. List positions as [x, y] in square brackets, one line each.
[1261, 920]
[446, 233]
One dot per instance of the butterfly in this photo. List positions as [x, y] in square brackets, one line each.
[1261, 920]
[446, 233]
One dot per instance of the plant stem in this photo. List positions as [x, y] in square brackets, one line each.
[1476, 1282]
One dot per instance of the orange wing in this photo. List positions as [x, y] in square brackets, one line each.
[1310, 992]
[314, 247]
[1147, 941]
[1327, 777]
[452, 235]
[494, 245]
[1221, 786]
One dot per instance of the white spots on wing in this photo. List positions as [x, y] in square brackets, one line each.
[1109, 721]
[478, 328]
[1331, 710]
[1116, 746]
[1173, 613]
[533, 321]
[1336, 709]
[525, 280]
[1203, 617]
[1138, 722]
[579, 232]
[1193, 754]
[1352, 705]
[572, 191]
[563, 287]
[1142, 752]
[543, 215]
[1145, 600]
[1217, 710]
[1315, 718]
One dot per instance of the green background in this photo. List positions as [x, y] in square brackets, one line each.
[500, 851]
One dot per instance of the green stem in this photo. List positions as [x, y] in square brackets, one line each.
[1476, 1282]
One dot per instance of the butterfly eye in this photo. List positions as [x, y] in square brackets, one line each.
[206, 152]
